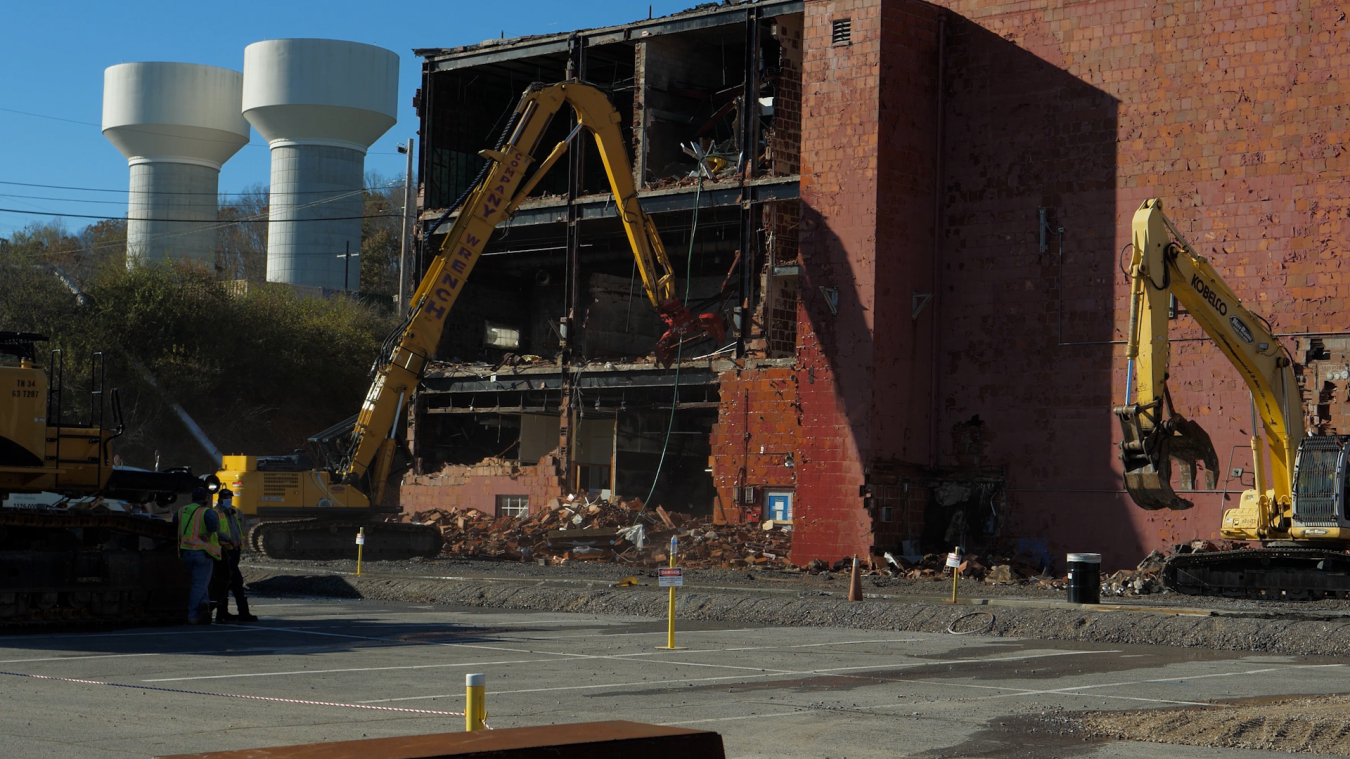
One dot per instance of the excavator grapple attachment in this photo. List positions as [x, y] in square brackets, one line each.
[1148, 448]
[683, 325]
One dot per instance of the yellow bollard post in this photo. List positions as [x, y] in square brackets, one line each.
[475, 702]
[674, 579]
[360, 547]
[954, 561]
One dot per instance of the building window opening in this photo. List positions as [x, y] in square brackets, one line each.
[501, 336]
[841, 32]
[513, 505]
[593, 479]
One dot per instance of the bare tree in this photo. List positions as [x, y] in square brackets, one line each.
[241, 241]
[381, 232]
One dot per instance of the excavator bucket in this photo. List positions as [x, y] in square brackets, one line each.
[683, 325]
[1148, 450]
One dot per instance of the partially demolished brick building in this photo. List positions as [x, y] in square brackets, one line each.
[914, 235]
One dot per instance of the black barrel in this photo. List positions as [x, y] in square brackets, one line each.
[1085, 578]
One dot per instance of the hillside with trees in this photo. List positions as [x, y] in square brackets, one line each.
[259, 368]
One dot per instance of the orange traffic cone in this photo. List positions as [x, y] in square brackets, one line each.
[855, 583]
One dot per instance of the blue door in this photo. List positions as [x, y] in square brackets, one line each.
[779, 505]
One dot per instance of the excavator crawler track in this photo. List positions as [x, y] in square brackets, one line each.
[325, 539]
[87, 568]
[1283, 574]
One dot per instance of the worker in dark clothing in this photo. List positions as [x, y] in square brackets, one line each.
[228, 579]
[220, 571]
[199, 548]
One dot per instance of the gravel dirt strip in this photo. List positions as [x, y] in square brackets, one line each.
[1311, 633]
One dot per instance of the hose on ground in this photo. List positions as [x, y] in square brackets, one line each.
[951, 628]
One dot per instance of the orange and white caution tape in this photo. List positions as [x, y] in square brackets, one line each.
[272, 699]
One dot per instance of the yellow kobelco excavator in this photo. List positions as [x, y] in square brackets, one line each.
[1298, 512]
[311, 508]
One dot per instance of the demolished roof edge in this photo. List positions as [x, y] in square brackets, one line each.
[704, 9]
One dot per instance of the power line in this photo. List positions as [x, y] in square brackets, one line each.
[53, 118]
[249, 144]
[129, 129]
[255, 218]
[397, 183]
[197, 221]
[65, 200]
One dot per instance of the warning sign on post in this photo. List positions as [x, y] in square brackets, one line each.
[953, 560]
[360, 539]
[670, 577]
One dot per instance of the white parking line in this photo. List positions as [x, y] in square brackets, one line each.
[732, 719]
[557, 657]
[496, 693]
[349, 669]
[1072, 689]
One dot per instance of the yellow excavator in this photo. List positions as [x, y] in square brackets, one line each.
[311, 507]
[83, 558]
[1297, 512]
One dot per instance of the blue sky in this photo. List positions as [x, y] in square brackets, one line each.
[55, 53]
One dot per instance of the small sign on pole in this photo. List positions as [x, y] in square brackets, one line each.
[954, 562]
[360, 547]
[671, 577]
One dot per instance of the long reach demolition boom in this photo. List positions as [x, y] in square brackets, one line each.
[356, 479]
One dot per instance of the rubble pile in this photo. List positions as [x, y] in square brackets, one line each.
[620, 532]
[1146, 578]
[991, 568]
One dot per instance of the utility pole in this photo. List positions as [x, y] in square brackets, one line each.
[407, 228]
[346, 257]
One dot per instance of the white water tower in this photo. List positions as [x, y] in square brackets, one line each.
[176, 123]
[319, 104]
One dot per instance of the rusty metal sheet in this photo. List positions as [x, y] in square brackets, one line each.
[583, 740]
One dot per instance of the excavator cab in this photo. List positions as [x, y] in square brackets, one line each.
[1320, 497]
[1151, 443]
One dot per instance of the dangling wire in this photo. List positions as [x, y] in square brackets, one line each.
[679, 348]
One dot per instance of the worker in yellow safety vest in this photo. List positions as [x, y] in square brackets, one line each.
[226, 578]
[199, 547]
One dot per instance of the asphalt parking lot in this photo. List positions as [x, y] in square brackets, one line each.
[771, 692]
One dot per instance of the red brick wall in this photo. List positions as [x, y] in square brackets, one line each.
[477, 487]
[906, 143]
[1231, 112]
[837, 238]
[867, 193]
[760, 400]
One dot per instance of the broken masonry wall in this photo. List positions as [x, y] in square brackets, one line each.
[1323, 368]
[758, 427]
[1231, 113]
[477, 486]
[780, 275]
[784, 137]
[899, 500]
